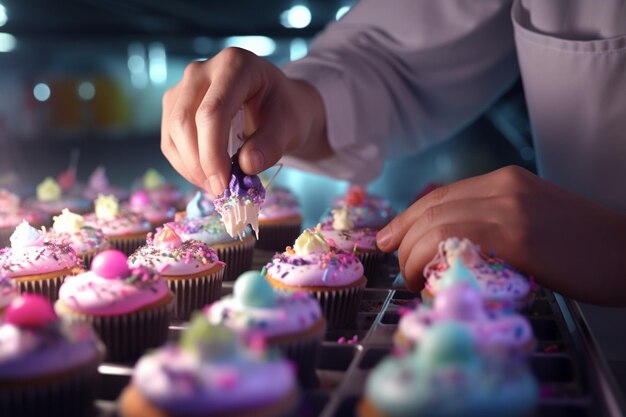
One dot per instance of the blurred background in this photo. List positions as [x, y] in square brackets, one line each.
[89, 75]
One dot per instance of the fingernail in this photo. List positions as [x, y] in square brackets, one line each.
[216, 185]
[207, 190]
[383, 237]
[256, 159]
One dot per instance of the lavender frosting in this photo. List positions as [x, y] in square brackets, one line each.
[241, 186]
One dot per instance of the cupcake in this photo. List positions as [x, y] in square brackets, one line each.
[492, 332]
[340, 233]
[290, 321]
[98, 183]
[334, 277]
[124, 229]
[129, 308]
[47, 366]
[12, 213]
[160, 191]
[50, 199]
[156, 213]
[8, 292]
[367, 210]
[210, 373]
[280, 221]
[446, 376]
[201, 223]
[70, 228]
[240, 204]
[192, 270]
[501, 286]
[35, 265]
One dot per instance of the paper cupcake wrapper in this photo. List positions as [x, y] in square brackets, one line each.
[48, 287]
[127, 244]
[277, 236]
[70, 395]
[194, 293]
[127, 337]
[372, 265]
[238, 259]
[304, 353]
[340, 306]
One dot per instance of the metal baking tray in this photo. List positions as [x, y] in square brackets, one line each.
[574, 378]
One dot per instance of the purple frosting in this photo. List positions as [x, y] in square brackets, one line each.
[241, 186]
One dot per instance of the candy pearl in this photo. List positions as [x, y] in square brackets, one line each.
[111, 264]
[30, 310]
[253, 290]
[140, 198]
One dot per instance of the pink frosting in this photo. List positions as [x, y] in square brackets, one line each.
[86, 240]
[348, 240]
[11, 218]
[279, 203]
[17, 262]
[30, 310]
[124, 224]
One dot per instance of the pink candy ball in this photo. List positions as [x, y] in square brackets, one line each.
[140, 198]
[111, 264]
[30, 310]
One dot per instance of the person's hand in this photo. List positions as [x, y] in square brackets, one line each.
[566, 242]
[282, 115]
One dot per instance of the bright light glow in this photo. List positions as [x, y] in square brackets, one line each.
[342, 10]
[297, 17]
[86, 90]
[260, 45]
[3, 15]
[137, 65]
[297, 49]
[203, 45]
[41, 92]
[158, 63]
[7, 42]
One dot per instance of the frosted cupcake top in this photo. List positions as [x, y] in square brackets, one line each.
[367, 210]
[98, 183]
[115, 222]
[313, 263]
[160, 191]
[50, 198]
[499, 283]
[141, 203]
[211, 372]
[34, 342]
[13, 213]
[255, 307]
[167, 253]
[279, 203]
[340, 233]
[492, 332]
[70, 228]
[202, 223]
[29, 254]
[112, 288]
[446, 376]
[8, 291]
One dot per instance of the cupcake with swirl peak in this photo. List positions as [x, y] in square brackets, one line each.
[129, 307]
[333, 276]
[124, 229]
[210, 372]
[240, 204]
[501, 286]
[98, 183]
[494, 333]
[70, 228]
[47, 366]
[291, 321]
[50, 199]
[280, 221]
[156, 213]
[35, 265]
[12, 213]
[160, 191]
[8, 292]
[200, 222]
[366, 210]
[192, 270]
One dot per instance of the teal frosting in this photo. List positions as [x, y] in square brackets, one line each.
[457, 273]
[198, 207]
[253, 290]
[445, 376]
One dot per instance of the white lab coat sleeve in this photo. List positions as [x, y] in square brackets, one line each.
[397, 76]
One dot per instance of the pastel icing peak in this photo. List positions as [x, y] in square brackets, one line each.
[98, 179]
[446, 343]
[152, 179]
[167, 238]
[199, 206]
[309, 242]
[48, 190]
[463, 248]
[111, 264]
[30, 310]
[341, 219]
[68, 222]
[107, 207]
[25, 236]
[251, 289]
[459, 302]
[139, 199]
[458, 273]
[208, 340]
[8, 201]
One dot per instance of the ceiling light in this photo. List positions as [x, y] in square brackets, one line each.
[297, 17]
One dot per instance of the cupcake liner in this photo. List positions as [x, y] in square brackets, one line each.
[69, 395]
[193, 293]
[340, 306]
[48, 287]
[127, 337]
[238, 258]
[372, 267]
[277, 236]
[127, 244]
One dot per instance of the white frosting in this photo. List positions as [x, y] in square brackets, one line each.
[311, 241]
[68, 222]
[236, 218]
